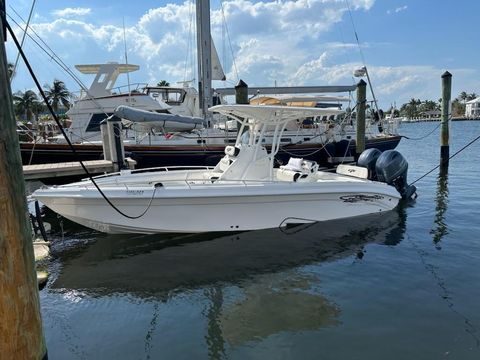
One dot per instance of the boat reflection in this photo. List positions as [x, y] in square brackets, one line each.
[252, 282]
[150, 264]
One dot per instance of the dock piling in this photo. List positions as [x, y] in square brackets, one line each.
[444, 132]
[21, 324]
[107, 155]
[361, 108]
[241, 95]
[115, 141]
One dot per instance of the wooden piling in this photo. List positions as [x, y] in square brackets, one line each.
[115, 140]
[361, 108]
[20, 321]
[241, 95]
[105, 140]
[444, 130]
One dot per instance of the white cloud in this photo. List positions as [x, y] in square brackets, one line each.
[277, 41]
[71, 12]
[398, 9]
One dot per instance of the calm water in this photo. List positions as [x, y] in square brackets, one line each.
[402, 286]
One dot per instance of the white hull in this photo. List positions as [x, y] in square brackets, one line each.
[242, 192]
[236, 208]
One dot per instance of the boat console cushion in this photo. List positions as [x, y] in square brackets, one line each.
[294, 164]
[288, 175]
[351, 170]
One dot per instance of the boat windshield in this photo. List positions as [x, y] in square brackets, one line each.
[171, 96]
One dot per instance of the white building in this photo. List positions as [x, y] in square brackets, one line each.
[472, 108]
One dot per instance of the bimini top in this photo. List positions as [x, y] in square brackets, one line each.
[297, 100]
[271, 114]
[94, 68]
[105, 76]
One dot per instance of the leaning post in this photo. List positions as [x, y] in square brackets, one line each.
[241, 95]
[444, 132]
[361, 108]
[21, 334]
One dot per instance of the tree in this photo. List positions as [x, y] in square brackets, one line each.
[57, 94]
[463, 96]
[163, 83]
[25, 103]
[458, 108]
[471, 96]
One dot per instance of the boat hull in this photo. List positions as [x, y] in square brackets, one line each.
[228, 209]
[191, 155]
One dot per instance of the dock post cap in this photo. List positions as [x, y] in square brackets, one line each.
[362, 83]
[241, 84]
[446, 74]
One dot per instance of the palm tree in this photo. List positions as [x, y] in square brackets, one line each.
[163, 83]
[471, 96]
[57, 94]
[463, 96]
[458, 108]
[24, 103]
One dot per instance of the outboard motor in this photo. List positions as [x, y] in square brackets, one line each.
[368, 159]
[391, 168]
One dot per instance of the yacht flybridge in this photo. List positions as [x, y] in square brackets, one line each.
[242, 192]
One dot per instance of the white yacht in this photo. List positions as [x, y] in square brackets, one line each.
[242, 192]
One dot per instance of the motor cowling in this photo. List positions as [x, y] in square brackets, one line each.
[392, 168]
[368, 159]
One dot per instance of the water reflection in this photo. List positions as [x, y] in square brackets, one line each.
[274, 304]
[272, 294]
[214, 337]
[440, 229]
[158, 264]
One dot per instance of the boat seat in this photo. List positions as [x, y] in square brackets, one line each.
[290, 175]
[352, 170]
[294, 164]
[300, 165]
[232, 151]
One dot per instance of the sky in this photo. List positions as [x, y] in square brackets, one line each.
[406, 44]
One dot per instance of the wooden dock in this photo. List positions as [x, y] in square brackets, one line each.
[43, 171]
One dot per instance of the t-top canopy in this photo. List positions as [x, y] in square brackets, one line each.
[271, 114]
[94, 68]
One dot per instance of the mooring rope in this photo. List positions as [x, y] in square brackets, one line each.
[451, 157]
[55, 117]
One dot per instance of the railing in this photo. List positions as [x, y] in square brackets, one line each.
[153, 169]
[123, 89]
[191, 183]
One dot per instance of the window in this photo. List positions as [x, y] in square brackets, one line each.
[94, 123]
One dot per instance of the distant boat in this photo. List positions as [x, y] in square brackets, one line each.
[324, 140]
[189, 141]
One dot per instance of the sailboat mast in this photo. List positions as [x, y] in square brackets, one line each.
[204, 57]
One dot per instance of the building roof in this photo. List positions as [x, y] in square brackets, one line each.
[474, 101]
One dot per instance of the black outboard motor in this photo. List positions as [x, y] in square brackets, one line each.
[368, 159]
[391, 168]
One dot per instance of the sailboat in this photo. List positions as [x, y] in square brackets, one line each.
[161, 142]
[244, 191]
